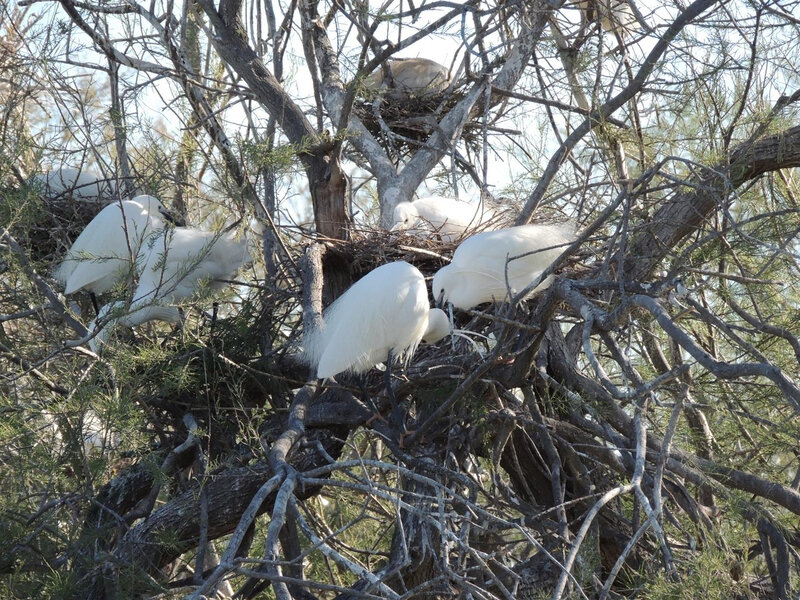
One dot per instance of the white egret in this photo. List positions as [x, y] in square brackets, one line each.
[402, 78]
[614, 15]
[384, 314]
[102, 254]
[94, 434]
[80, 185]
[177, 262]
[448, 217]
[477, 272]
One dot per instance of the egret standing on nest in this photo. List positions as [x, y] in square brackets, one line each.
[477, 273]
[383, 315]
[448, 217]
[108, 248]
[402, 78]
[176, 264]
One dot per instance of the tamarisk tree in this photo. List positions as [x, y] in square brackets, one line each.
[632, 431]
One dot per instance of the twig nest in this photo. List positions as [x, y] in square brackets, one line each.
[403, 115]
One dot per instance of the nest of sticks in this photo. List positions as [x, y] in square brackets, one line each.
[49, 225]
[403, 125]
[369, 248]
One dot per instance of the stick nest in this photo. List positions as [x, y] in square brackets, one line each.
[370, 248]
[402, 125]
[47, 226]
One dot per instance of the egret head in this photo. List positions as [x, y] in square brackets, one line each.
[172, 217]
[149, 203]
[405, 216]
[442, 284]
[460, 287]
[438, 326]
[154, 207]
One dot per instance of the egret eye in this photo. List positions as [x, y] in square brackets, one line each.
[447, 218]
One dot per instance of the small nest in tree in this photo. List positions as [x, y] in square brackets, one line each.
[49, 226]
[370, 248]
[403, 125]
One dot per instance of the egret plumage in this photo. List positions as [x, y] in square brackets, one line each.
[108, 247]
[385, 311]
[181, 258]
[177, 262]
[94, 433]
[402, 78]
[614, 15]
[447, 217]
[477, 273]
[80, 185]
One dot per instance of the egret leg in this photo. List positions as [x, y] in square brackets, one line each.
[214, 310]
[94, 303]
[452, 326]
[320, 388]
[178, 328]
[367, 399]
[397, 418]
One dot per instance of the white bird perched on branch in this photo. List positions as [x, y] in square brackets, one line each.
[108, 248]
[385, 314]
[614, 15]
[448, 217]
[402, 78]
[477, 272]
[80, 185]
[176, 264]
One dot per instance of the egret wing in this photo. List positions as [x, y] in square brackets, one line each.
[384, 310]
[101, 253]
[178, 259]
[487, 253]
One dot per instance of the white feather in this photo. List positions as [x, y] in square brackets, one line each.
[409, 76]
[614, 15]
[477, 273]
[80, 185]
[103, 252]
[176, 263]
[448, 217]
[387, 309]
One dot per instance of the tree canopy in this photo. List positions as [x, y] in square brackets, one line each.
[631, 431]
